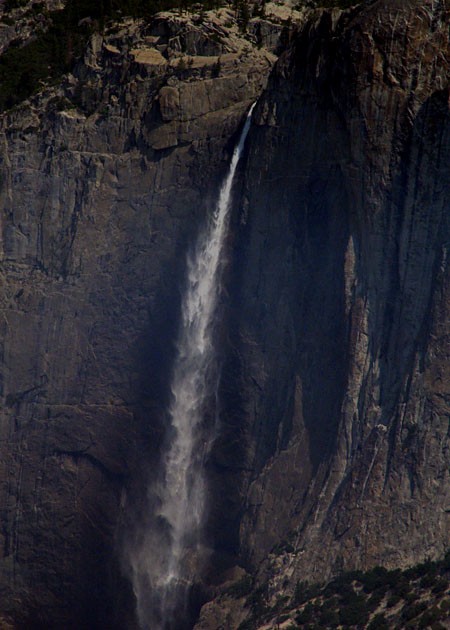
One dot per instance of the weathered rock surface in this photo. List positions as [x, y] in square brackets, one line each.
[334, 394]
[24, 22]
[338, 364]
[103, 183]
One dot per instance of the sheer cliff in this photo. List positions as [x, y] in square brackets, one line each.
[103, 182]
[343, 287]
[338, 355]
[334, 396]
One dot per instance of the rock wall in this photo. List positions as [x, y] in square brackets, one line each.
[339, 353]
[334, 392]
[104, 181]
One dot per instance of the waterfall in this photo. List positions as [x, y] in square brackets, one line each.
[169, 555]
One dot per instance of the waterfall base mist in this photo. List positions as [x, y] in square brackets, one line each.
[169, 555]
[334, 352]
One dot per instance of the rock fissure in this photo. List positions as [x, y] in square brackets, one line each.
[332, 450]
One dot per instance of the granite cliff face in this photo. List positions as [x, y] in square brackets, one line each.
[103, 183]
[339, 355]
[347, 270]
[334, 396]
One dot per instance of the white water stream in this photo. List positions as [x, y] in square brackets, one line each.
[167, 562]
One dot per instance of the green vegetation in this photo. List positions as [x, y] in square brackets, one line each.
[339, 4]
[327, 4]
[379, 622]
[241, 588]
[242, 14]
[25, 68]
[258, 601]
[378, 599]
[50, 54]
[14, 4]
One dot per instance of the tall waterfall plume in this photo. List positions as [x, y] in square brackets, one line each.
[167, 558]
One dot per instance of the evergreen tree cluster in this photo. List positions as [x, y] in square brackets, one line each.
[53, 52]
[379, 599]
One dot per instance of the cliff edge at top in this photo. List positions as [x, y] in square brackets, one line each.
[338, 362]
[334, 393]
[104, 179]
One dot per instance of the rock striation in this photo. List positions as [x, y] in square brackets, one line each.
[338, 361]
[334, 395]
[104, 180]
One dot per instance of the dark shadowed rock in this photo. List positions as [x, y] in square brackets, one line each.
[337, 367]
[334, 391]
[104, 181]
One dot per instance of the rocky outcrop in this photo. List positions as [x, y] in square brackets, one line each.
[103, 183]
[333, 398]
[23, 22]
[338, 359]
